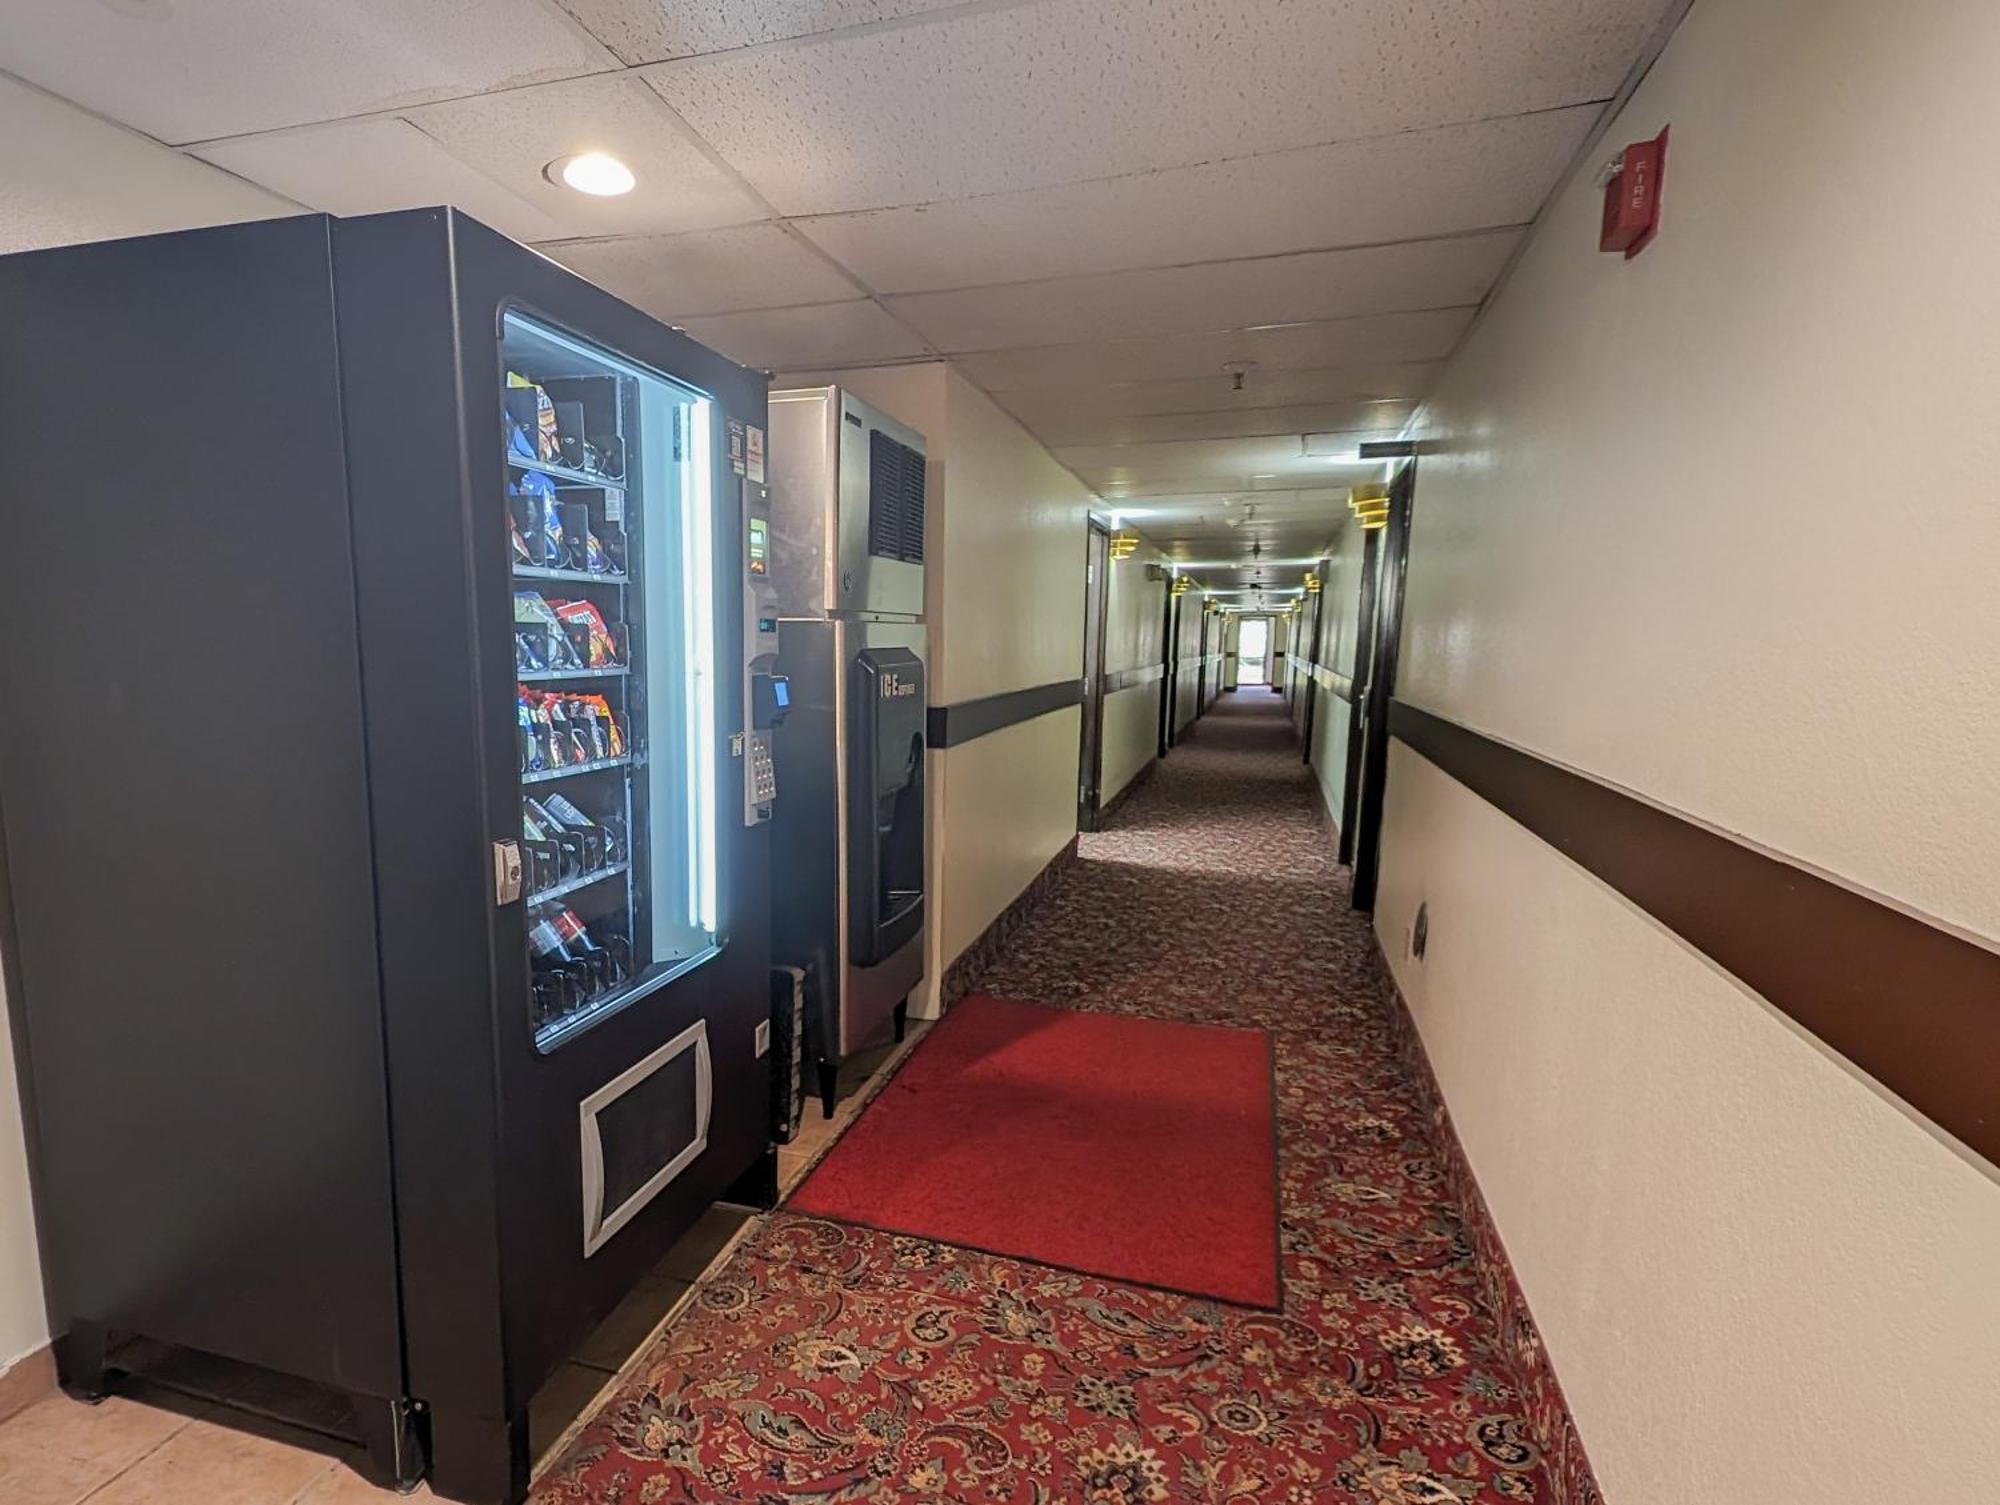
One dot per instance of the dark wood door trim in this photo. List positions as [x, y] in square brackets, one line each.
[1364, 657]
[1908, 1002]
[1381, 685]
[1090, 730]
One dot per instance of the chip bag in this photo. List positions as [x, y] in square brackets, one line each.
[601, 652]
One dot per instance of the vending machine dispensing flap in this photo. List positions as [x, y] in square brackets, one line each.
[887, 898]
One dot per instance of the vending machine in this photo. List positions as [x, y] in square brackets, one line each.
[847, 501]
[387, 864]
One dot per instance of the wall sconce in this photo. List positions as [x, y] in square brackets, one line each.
[1124, 545]
[1312, 583]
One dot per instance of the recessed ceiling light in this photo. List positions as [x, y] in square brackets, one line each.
[597, 173]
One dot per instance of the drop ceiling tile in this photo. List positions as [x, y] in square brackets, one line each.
[822, 337]
[512, 138]
[645, 31]
[133, 187]
[191, 70]
[1404, 187]
[1218, 393]
[1026, 96]
[368, 166]
[1234, 464]
[674, 277]
[1213, 295]
[1428, 335]
[1350, 420]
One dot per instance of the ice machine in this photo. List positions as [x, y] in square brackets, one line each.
[847, 507]
[388, 882]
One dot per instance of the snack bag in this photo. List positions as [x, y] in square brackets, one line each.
[548, 444]
[554, 747]
[518, 544]
[614, 737]
[536, 494]
[579, 728]
[595, 559]
[602, 651]
[600, 737]
[534, 758]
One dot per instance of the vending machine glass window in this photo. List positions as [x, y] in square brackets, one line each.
[610, 496]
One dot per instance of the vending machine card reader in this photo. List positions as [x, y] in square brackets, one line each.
[766, 693]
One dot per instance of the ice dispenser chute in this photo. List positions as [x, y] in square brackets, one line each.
[888, 907]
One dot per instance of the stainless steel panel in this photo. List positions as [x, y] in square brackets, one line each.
[886, 587]
[819, 473]
[811, 867]
[870, 994]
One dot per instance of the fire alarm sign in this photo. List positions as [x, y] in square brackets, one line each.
[1632, 198]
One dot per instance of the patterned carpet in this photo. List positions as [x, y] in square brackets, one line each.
[827, 1363]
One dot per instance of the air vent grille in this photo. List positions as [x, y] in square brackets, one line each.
[895, 500]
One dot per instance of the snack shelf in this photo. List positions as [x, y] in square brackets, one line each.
[571, 885]
[581, 577]
[568, 770]
[534, 676]
[563, 475]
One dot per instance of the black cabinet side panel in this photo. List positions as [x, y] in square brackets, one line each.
[400, 379]
[184, 799]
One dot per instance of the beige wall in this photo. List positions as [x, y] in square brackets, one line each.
[65, 177]
[1134, 628]
[1340, 633]
[1717, 525]
[1003, 587]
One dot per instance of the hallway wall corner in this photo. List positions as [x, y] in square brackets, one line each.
[965, 970]
[1546, 1412]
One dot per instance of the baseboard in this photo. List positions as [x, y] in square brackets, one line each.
[1543, 1406]
[1326, 816]
[1112, 806]
[27, 1380]
[972, 963]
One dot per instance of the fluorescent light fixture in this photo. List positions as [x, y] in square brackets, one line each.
[698, 501]
[596, 173]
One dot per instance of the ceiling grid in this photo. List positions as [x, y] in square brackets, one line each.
[1200, 248]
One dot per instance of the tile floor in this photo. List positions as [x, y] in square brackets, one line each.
[186, 1429]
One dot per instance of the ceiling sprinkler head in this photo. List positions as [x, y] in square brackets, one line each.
[1237, 371]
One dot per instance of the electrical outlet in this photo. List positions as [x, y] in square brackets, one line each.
[764, 1037]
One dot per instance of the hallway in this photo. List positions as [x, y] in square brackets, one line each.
[828, 1362]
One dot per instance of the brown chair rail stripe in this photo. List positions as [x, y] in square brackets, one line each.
[1127, 679]
[1913, 1005]
[1330, 680]
[954, 725]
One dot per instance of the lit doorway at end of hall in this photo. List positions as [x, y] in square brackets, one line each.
[1253, 652]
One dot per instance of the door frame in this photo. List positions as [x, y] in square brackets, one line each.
[1357, 692]
[1090, 729]
[1170, 664]
[1201, 664]
[1389, 598]
[1311, 686]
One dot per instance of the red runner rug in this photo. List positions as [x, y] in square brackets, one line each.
[1138, 1149]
